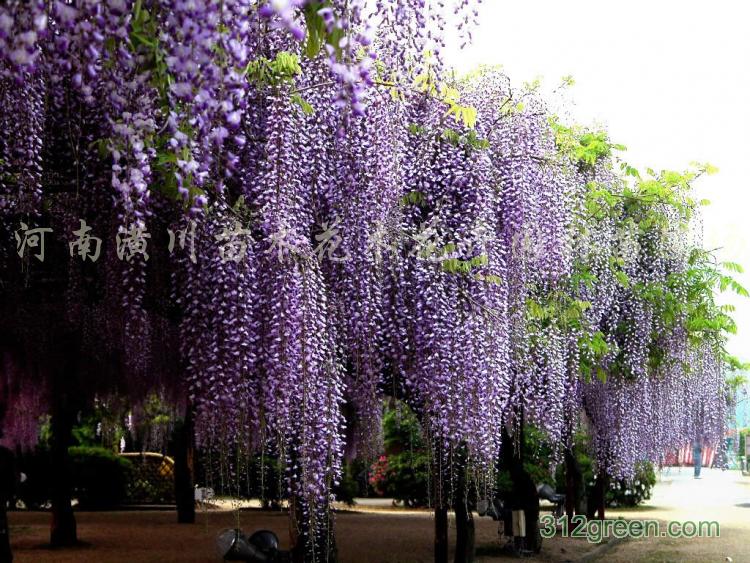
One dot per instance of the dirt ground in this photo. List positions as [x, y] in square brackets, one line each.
[375, 533]
[696, 550]
[719, 496]
[153, 536]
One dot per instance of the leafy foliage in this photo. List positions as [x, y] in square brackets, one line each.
[406, 463]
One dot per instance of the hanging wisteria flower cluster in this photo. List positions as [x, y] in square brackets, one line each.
[653, 338]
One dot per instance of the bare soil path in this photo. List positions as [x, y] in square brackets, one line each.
[379, 536]
[376, 533]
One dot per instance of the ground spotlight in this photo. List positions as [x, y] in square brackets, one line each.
[261, 546]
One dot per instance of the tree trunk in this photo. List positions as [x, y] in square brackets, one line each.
[598, 499]
[63, 532]
[6, 556]
[184, 469]
[441, 534]
[439, 498]
[464, 519]
[296, 530]
[464, 534]
[7, 489]
[601, 483]
[524, 495]
[575, 490]
[570, 485]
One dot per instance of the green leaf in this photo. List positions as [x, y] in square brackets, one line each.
[286, 64]
[601, 375]
[307, 109]
[568, 80]
[315, 29]
[283, 68]
[489, 278]
[413, 198]
[622, 278]
[739, 289]
[452, 136]
[733, 267]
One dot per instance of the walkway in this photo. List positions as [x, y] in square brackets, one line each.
[721, 496]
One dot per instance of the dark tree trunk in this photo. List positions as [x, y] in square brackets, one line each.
[574, 486]
[524, 495]
[597, 501]
[7, 490]
[63, 532]
[296, 530]
[6, 556]
[441, 534]
[464, 518]
[601, 484]
[439, 471]
[570, 484]
[184, 469]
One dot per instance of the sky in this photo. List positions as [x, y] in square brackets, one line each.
[669, 79]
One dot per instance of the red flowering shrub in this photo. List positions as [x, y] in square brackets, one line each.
[378, 471]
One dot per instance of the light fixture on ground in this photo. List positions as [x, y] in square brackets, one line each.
[261, 546]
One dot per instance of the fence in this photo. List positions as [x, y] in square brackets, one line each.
[152, 479]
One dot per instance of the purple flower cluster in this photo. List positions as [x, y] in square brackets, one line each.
[152, 113]
[23, 28]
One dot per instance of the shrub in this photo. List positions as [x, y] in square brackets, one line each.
[378, 472]
[621, 492]
[405, 465]
[100, 477]
[634, 491]
[407, 478]
[34, 492]
[744, 433]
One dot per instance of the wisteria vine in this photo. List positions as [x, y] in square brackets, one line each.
[345, 223]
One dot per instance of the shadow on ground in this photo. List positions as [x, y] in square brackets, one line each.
[142, 537]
